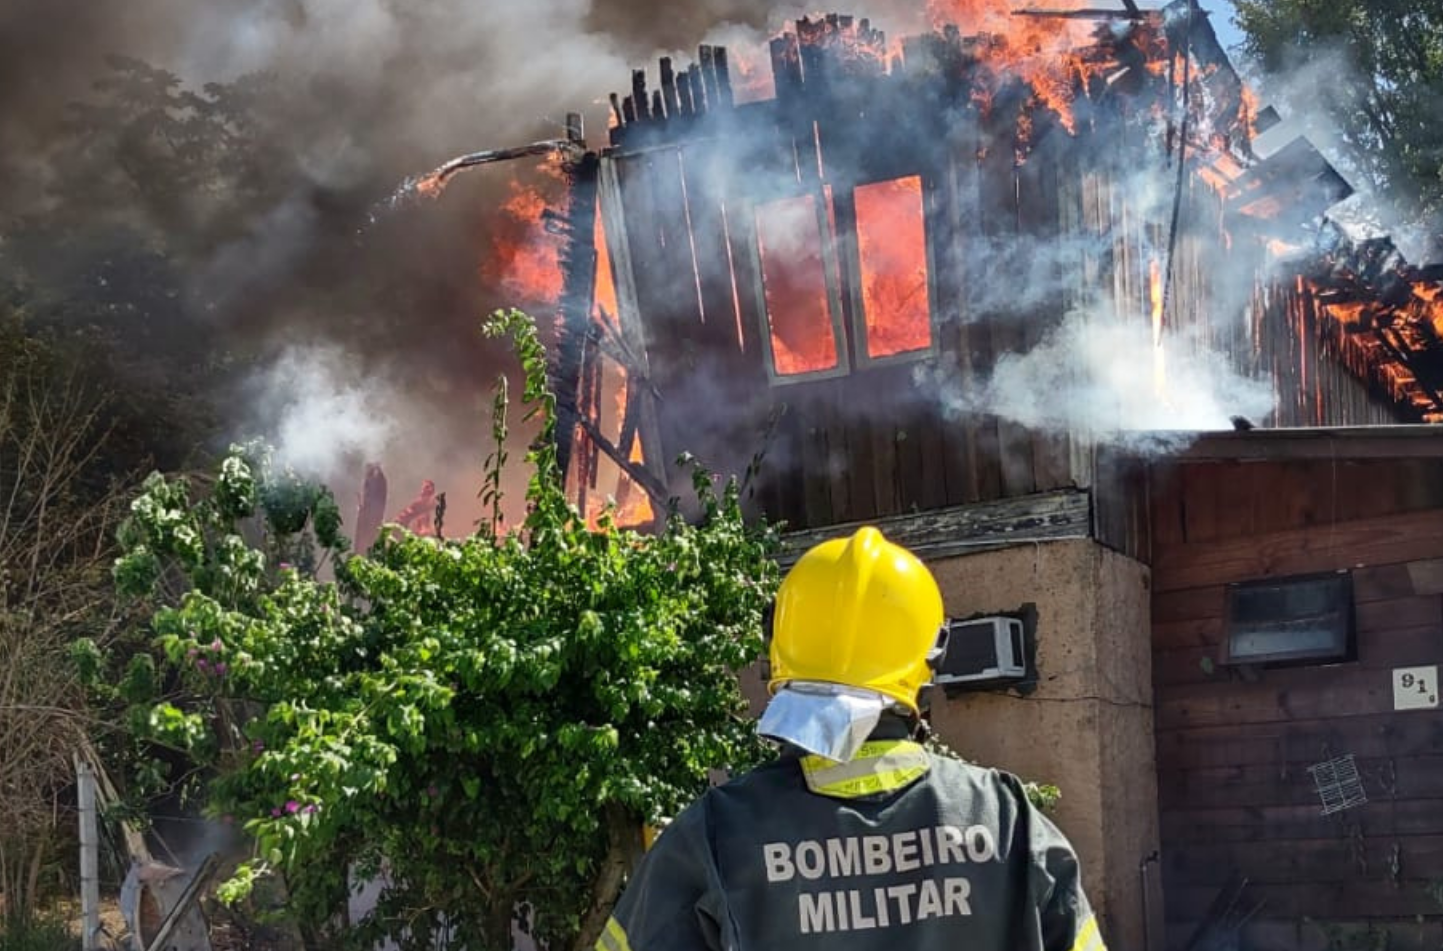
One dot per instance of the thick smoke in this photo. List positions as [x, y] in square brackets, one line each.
[373, 91]
[325, 419]
[1101, 375]
[364, 93]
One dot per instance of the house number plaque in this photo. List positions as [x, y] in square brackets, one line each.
[1415, 688]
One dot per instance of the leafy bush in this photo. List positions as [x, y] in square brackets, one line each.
[488, 721]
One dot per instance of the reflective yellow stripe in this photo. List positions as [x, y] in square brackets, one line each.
[880, 766]
[1089, 938]
[613, 937]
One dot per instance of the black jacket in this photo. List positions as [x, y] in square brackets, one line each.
[897, 849]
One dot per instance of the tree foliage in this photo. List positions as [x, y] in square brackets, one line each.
[1388, 107]
[487, 721]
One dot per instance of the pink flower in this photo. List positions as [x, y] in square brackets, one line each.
[275, 812]
[292, 806]
[220, 668]
[216, 645]
[311, 807]
[295, 776]
[258, 745]
[191, 653]
[202, 664]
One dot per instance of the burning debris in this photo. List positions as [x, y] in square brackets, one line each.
[431, 184]
[1383, 316]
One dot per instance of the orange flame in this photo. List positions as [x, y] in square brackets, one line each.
[751, 75]
[633, 505]
[525, 260]
[1042, 51]
[604, 295]
[892, 248]
[795, 285]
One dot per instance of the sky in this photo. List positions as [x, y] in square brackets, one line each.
[1222, 20]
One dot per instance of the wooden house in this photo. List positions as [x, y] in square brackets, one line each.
[811, 287]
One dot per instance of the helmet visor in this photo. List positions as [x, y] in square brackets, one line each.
[830, 720]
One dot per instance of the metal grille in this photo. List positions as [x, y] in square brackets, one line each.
[1339, 785]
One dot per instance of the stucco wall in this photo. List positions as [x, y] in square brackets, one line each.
[1088, 727]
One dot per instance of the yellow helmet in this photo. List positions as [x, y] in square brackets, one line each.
[859, 611]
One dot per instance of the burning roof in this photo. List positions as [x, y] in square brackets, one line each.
[766, 228]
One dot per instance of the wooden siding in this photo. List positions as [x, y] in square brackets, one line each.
[1028, 218]
[1234, 747]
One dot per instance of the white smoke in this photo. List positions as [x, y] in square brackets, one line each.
[1101, 375]
[327, 420]
[328, 411]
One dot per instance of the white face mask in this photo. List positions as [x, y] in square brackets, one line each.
[830, 720]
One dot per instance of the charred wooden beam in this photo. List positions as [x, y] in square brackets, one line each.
[708, 76]
[723, 77]
[628, 110]
[635, 471]
[658, 109]
[639, 96]
[668, 87]
[964, 529]
[686, 99]
[811, 35]
[699, 101]
[576, 129]
[437, 177]
[578, 286]
[786, 66]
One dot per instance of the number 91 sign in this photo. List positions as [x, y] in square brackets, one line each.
[1415, 688]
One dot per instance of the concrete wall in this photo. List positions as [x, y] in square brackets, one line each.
[1088, 727]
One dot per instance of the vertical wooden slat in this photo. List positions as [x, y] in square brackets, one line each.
[639, 98]
[840, 444]
[815, 462]
[668, 87]
[999, 210]
[615, 214]
[1038, 215]
[983, 478]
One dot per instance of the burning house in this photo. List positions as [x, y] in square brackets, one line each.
[946, 284]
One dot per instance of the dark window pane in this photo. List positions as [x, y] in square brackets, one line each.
[1290, 619]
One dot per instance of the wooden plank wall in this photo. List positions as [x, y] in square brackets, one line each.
[1233, 752]
[883, 440]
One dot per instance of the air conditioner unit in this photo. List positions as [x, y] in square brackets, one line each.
[982, 651]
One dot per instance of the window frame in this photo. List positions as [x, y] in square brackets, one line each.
[1292, 657]
[849, 242]
[831, 275]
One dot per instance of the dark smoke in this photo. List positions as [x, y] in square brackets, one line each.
[363, 341]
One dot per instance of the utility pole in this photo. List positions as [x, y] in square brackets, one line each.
[89, 856]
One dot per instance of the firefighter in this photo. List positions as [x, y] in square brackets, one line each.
[856, 837]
